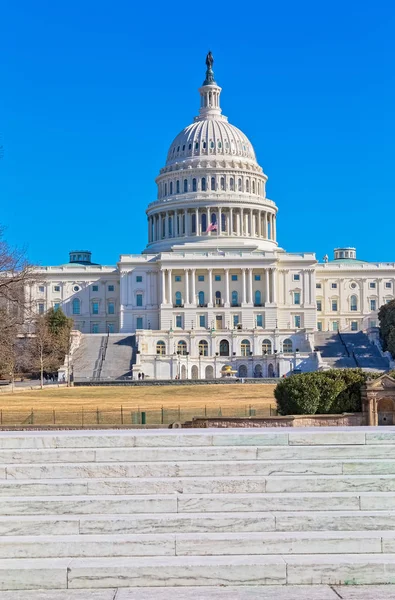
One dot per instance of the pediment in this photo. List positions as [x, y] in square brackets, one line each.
[384, 382]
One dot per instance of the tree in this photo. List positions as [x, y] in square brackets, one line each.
[387, 326]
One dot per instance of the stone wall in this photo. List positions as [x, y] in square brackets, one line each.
[344, 420]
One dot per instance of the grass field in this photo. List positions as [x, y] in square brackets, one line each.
[125, 405]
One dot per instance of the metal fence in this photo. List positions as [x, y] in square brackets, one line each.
[127, 415]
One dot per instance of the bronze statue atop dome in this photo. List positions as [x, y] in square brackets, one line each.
[209, 73]
[209, 60]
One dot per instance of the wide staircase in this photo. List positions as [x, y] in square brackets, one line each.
[333, 352]
[117, 361]
[87, 357]
[365, 353]
[197, 514]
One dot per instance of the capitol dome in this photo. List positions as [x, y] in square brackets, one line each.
[211, 185]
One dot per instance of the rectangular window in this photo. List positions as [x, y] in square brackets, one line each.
[335, 326]
[95, 308]
[334, 286]
[95, 327]
[259, 320]
[111, 288]
[319, 305]
[139, 323]
[236, 320]
[95, 288]
[56, 288]
[111, 308]
[41, 308]
[296, 277]
[373, 305]
[139, 278]
[257, 277]
[334, 305]
[178, 320]
[177, 278]
[56, 306]
[296, 297]
[41, 289]
[372, 285]
[139, 299]
[297, 321]
[110, 327]
[234, 277]
[202, 321]
[318, 286]
[200, 277]
[319, 326]
[388, 284]
[217, 277]
[372, 323]
[354, 325]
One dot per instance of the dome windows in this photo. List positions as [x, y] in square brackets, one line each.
[223, 183]
[171, 188]
[190, 147]
[213, 183]
[196, 145]
[203, 184]
[185, 185]
[183, 148]
[194, 185]
[219, 145]
[231, 184]
[247, 186]
[177, 186]
[253, 187]
[204, 145]
[211, 144]
[239, 185]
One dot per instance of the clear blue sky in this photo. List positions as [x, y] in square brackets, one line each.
[92, 94]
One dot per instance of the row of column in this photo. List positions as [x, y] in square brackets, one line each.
[243, 222]
[268, 287]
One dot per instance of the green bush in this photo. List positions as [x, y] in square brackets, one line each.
[321, 392]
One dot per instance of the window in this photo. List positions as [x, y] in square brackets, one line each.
[224, 348]
[335, 326]
[353, 285]
[232, 184]
[203, 348]
[222, 183]
[353, 303]
[110, 327]
[245, 348]
[94, 327]
[334, 286]
[177, 278]
[161, 348]
[194, 185]
[373, 305]
[111, 308]
[200, 277]
[266, 347]
[217, 298]
[217, 277]
[287, 345]
[139, 299]
[372, 323]
[76, 306]
[354, 325]
[178, 320]
[213, 183]
[178, 299]
[165, 189]
[41, 289]
[296, 297]
[202, 320]
[95, 308]
[372, 285]
[253, 187]
[76, 288]
[247, 186]
[234, 277]
[201, 298]
[257, 277]
[259, 320]
[388, 284]
[257, 298]
[235, 298]
[318, 286]
[204, 222]
[56, 306]
[297, 321]
[319, 305]
[111, 288]
[139, 323]
[296, 277]
[236, 320]
[203, 184]
[41, 308]
[239, 185]
[171, 188]
[56, 288]
[139, 278]
[182, 348]
[95, 288]
[177, 186]
[185, 185]
[319, 326]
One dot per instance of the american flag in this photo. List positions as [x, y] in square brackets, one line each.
[212, 227]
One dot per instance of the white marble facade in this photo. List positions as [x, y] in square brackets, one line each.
[195, 297]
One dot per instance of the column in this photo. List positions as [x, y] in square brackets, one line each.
[238, 223]
[267, 290]
[196, 221]
[186, 230]
[231, 221]
[275, 228]
[149, 302]
[208, 219]
[259, 224]
[250, 299]
[186, 286]
[210, 287]
[244, 301]
[241, 222]
[163, 287]
[193, 301]
[311, 289]
[252, 224]
[160, 226]
[274, 286]
[226, 287]
[219, 224]
[167, 224]
[170, 288]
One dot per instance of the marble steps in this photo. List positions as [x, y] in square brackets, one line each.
[197, 544]
[179, 571]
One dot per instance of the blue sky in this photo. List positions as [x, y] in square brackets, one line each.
[92, 94]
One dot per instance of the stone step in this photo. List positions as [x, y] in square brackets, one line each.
[197, 544]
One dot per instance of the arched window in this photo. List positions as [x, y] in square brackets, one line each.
[222, 183]
[182, 347]
[171, 188]
[76, 306]
[247, 186]
[161, 348]
[245, 348]
[242, 371]
[201, 298]
[235, 298]
[165, 189]
[257, 298]
[178, 299]
[213, 183]
[194, 186]
[354, 303]
[266, 347]
[185, 185]
[224, 348]
[193, 223]
[258, 188]
[204, 222]
[213, 218]
[232, 184]
[217, 298]
[253, 187]
[287, 345]
[239, 185]
[203, 184]
[203, 348]
[177, 186]
[223, 222]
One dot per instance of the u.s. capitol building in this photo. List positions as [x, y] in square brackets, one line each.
[212, 287]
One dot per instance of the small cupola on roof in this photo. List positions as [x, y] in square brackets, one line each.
[81, 257]
[348, 252]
